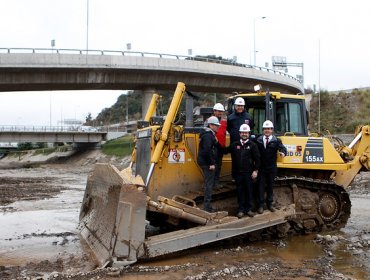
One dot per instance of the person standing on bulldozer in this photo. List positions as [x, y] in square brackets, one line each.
[218, 112]
[269, 145]
[207, 159]
[246, 162]
[235, 120]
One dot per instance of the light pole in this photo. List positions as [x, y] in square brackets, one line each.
[52, 45]
[87, 26]
[254, 37]
[250, 57]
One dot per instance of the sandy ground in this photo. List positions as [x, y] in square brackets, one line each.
[39, 210]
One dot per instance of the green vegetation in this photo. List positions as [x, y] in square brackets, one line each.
[30, 146]
[119, 147]
[342, 112]
[45, 151]
[117, 113]
[36, 150]
[25, 146]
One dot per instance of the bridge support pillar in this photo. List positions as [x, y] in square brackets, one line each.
[147, 97]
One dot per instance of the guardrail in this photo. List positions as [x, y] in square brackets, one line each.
[143, 54]
[22, 128]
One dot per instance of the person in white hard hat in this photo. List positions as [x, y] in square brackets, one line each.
[246, 162]
[207, 159]
[236, 119]
[218, 112]
[269, 146]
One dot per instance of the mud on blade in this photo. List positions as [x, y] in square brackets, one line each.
[112, 216]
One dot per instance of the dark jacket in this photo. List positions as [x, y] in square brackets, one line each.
[245, 158]
[208, 148]
[234, 121]
[269, 154]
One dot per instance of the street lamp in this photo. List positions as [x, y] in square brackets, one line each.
[52, 45]
[254, 37]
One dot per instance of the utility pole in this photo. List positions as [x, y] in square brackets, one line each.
[319, 122]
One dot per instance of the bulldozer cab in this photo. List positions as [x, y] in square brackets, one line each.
[287, 112]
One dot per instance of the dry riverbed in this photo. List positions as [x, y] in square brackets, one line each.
[39, 210]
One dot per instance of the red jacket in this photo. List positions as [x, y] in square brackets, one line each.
[221, 133]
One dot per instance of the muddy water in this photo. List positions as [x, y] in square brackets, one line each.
[356, 262]
[34, 231]
[38, 230]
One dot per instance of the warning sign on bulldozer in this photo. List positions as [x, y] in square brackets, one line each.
[176, 156]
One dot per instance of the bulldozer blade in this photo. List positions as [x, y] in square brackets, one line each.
[184, 239]
[112, 216]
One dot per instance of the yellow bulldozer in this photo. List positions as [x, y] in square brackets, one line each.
[154, 207]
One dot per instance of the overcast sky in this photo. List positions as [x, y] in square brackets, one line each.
[292, 29]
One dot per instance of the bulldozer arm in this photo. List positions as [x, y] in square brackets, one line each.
[112, 216]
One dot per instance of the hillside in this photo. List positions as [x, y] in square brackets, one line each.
[117, 112]
[340, 112]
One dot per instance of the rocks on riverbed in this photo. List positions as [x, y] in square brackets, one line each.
[357, 245]
[361, 183]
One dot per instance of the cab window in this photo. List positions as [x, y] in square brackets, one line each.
[289, 118]
[258, 115]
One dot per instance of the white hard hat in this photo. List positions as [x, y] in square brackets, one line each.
[219, 107]
[239, 101]
[268, 124]
[213, 120]
[244, 128]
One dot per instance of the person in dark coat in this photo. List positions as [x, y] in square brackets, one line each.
[237, 118]
[207, 159]
[246, 161]
[269, 146]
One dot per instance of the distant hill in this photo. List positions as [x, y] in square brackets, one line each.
[117, 112]
[340, 112]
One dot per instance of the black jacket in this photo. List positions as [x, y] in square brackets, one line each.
[234, 121]
[245, 158]
[208, 148]
[269, 154]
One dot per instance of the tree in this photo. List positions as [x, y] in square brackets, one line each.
[88, 119]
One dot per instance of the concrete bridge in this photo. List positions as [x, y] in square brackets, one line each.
[47, 134]
[66, 69]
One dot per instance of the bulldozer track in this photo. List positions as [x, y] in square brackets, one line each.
[330, 207]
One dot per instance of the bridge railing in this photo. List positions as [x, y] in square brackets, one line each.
[23, 128]
[143, 54]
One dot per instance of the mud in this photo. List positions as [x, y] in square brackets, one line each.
[38, 238]
[15, 189]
